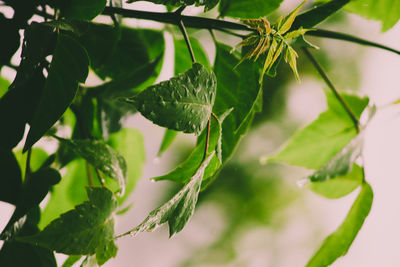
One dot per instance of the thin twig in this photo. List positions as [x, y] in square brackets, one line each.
[185, 35]
[28, 165]
[349, 38]
[332, 88]
[101, 179]
[214, 39]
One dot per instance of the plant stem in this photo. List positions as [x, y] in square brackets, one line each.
[89, 174]
[332, 88]
[349, 38]
[187, 41]
[173, 18]
[207, 139]
[101, 179]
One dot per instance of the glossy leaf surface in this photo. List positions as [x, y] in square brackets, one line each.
[183, 103]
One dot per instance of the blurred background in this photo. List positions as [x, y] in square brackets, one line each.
[260, 215]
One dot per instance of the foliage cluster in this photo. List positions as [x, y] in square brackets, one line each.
[217, 101]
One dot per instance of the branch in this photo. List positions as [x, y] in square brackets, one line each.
[173, 18]
[349, 38]
[332, 87]
[187, 41]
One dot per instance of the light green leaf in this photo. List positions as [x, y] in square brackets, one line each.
[338, 243]
[387, 11]
[247, 9]
[38, 157]
[318, 142]
[4, 84]
[71, 260]
[291, 58]
[296, 33]
[69, 66]
[274, 52]
[183, 103]
[130, 144]
[208, 4]
[102, 157]
[341, 163]
[169, 137]
[318, 14]
[86, 230]
[179, 209]
[340, 186]
[83, 10]
[286, 23]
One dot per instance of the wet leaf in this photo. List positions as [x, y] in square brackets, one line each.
[179, 209]
[183, 103]
[338, 243]
[86, 230]
[69, 66]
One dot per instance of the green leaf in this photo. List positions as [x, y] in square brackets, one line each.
[338, 243]
[83, 10]
[66, 194]
[291, 58]
[10, 178]
[86, 230]
[318, 142]
[71, 260]
[38, 157]
[4, 84]
[179, 209]
[286, 23]
[9, 28]
[208, 4]
[341, 163]
[318, 14]
[123, 49]
[340, 186]
[387, 11]
[183, 61]
[68, 67]
[102, 157]
[130, 144]
[169, 137]
[18, 254]
[272, 60]
[248, 9]
[183, 103]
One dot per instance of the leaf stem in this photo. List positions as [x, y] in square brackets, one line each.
[207, 139]
[187, 41]
[28, 165]
[349, 38]
[89, 174]
[101, 179]
[332, 88]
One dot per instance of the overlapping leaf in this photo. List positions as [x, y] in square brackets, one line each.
[11, 179]
[102, 157]
[86, 230]
[68, 67]
[338, 243]
[179, 209]
[83, 10]
[183, 103]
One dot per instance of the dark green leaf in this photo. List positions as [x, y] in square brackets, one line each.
[179, 209]
[10, 44]
[86, 230]
[183, 103]
[338, 243]
[130, 144]
[38, 158]
[248, 9]
[183, 61]
[84, 10]
[68, 67]
[102, 157]
[318, 14]
[208, 4]
[32, 193]
[309, 147]
[169, 137]
[17, 254]
[341, 185]
[387, 11]
[10, 178]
